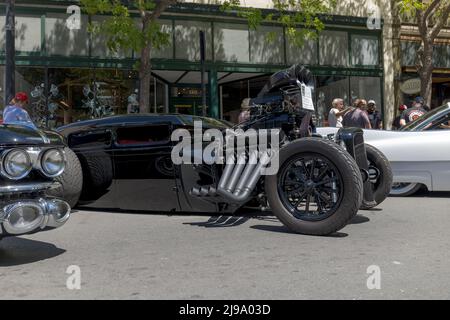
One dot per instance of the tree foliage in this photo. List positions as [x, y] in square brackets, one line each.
[431, 16]
[302, 19]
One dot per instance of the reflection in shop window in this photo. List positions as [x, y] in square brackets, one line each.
[368, 88]
[60, 40]
[364, 50]
[333, 48]
[231, 42]
[28, 33]
[304, 54]
[329, 88]
[266, 45]
[187, 40]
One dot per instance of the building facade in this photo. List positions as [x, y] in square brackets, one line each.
[350, 59]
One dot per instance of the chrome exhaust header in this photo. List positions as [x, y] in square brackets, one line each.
[27, 216]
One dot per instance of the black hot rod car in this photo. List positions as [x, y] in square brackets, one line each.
[31, 161]
[319, 186]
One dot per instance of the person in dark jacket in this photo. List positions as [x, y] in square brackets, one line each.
[396, 123]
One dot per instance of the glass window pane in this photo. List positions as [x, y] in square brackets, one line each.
[409, 52]
[364, 50]
[99, 48]
[2, 87]
[60, 40]
[333, 48]
[2, 32]
[28, 33]
[231, 42]
[166, 51]
[367, 88]
[187, 39]
[329, 88]
[306, 54]
[441, 56]
[264, 50]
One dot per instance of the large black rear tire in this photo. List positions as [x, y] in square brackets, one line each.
[382, 185]
[71, 180]
[97, 173]
[328, 174]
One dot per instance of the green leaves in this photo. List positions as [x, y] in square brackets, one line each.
[121, 29]
[302, 19]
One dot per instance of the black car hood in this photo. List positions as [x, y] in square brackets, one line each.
[22, 135]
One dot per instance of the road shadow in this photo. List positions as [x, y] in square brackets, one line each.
[359, 219]
[283, 229]
[220, 222]
[16, 251]
[428, 194]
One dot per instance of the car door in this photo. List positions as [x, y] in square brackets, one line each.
[144, 174]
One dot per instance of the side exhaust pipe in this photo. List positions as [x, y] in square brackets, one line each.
[239, 178]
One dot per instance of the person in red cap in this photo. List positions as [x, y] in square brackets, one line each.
[396, 124]
[15, 112]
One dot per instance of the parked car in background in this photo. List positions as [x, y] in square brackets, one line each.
[418, 152]
[31, 162]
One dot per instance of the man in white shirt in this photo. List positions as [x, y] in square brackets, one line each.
[336, 113]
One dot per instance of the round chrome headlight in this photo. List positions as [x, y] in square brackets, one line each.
[52, 162]
[15, 164]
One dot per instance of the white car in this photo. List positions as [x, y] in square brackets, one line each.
[419, 152]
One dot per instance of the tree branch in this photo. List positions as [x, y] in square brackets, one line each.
[431, 8]
[440, 23]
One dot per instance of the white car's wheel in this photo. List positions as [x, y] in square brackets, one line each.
[404, 189]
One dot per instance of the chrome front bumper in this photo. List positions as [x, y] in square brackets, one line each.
[23, 216]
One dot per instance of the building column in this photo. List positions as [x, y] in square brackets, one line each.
[213, 110]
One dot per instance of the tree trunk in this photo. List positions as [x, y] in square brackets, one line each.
[145, 70]
[426, 72]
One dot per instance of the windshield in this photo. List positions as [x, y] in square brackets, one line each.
[428, 119]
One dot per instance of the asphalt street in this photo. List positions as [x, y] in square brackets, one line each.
[149, 256]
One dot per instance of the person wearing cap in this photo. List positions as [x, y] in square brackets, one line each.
[374, 115]
[15, 113]
[396, 123]
[245, 110]
[413, 113]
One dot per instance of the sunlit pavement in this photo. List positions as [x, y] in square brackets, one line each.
[138, 256]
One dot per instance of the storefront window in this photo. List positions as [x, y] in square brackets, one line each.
[305, 54]
[231, 42]
[2, 33]
[187, 39]
[364, 50]
[329, 88]
[368, 88]
[409, 52]
[165, 52]
[60, 40]
[2, 88]
[28, 33]
[333, 48]
[266, 45]
[99, 47]
[441, 56]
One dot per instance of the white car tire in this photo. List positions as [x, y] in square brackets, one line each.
[404, 189]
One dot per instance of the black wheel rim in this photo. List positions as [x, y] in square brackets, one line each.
[310, 187]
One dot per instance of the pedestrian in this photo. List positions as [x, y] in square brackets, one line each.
[396, 123]
[245, 110]
[336, 112]
[357, 116]
[15, 113]
[413, 113]
[374, 115]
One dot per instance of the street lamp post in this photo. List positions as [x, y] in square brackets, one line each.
[10, 52]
